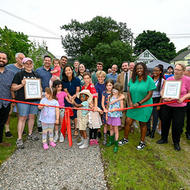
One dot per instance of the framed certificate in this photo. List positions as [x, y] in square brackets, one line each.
[172, 89]
[32, 89]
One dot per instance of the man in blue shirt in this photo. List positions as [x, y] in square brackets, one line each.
[113, 75]
[6, 77]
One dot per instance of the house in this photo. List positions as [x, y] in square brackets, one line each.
[146, 57]
[183, 57]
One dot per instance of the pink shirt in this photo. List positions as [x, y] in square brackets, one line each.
[57, 74]
[60, 97]
[185, 88]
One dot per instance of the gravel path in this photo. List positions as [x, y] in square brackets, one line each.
[60, 168]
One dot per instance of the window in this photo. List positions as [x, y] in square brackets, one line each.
[146, 54]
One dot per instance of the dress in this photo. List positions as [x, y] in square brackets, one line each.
[71, 87]
[94, 120]
[138, 91]
[106, 95]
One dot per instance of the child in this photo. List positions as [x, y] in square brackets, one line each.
[59, 95]
[55, 72]
[114, 119]
[105, 95]
[94, 124]
[82, 116]
[48, 116]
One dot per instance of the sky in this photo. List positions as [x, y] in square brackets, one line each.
[44, 17]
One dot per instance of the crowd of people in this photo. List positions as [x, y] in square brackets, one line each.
[104, 94]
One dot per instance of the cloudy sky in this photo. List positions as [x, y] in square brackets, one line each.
[44, 17]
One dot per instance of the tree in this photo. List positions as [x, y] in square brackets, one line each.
[13, 42]
[157, 43]
[84, 40]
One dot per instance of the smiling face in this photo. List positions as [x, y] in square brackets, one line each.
[81, 68]
[68, 72]
[109, 87]
[28, 66]
[87, 80]
[47, 62]
[125, 67]
[3, 59]
[19, 59]
[178, 72]
[156, 71]
[139, 70]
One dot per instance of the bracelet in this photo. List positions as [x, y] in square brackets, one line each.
[139, 103]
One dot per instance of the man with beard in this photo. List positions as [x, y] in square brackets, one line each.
[6, 77]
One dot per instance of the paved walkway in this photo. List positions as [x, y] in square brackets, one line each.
[60, 168]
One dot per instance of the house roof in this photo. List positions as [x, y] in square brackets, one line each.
[141, 56]
[154, 63]
[181, 55]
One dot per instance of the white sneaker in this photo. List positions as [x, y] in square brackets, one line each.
[81, 142]
[61, 138]
[84, 145]
[55, 138]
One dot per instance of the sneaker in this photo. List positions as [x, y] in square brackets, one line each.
[8, 134]
[123, 141]
[45, 146]
[61, 138]
[141, 146]
[96, 142]
[19, 144]
[33, 137]
[40, 130]
[85, 144]
[51, 143]
[80, 142]
[91, 142]
[55, 139]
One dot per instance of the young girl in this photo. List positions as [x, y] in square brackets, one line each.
[55, 72]
[105, 95]
[48, 116]
[94, 125]
[114, 116]
[59, 95]
[82, 116]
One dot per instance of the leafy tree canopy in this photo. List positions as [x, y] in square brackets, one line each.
[95, 40]
[157, 43]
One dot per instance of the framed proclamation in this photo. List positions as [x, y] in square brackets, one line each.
[172, 89]
[32, 89]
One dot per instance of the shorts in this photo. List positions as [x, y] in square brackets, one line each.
[114, 121]
[81, 121]
[26, 109]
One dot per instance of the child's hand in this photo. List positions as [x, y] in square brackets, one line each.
[113, 110]
[40, 107]
[114, 101]
[105, 110]
[95, 108]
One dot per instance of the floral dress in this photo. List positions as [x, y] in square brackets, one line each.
[106, 99]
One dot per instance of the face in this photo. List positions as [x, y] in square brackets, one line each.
[63, 61]
[83, 97]
[156, 72]
[115, 91]
[87, 79]
[19, 58]
[124, 67]
[47, 95]
[139, 70]
[82, 68]
[99, 67]
[114, 68]
[56, 63]
[28, 66]
[3, 59]
[59, 87]
[101, 79]
[76, 64]
[170, 70]
[131, 66]
[47, 62]
[109, 86]
[178, 71]
[68, 72]
[187, 71]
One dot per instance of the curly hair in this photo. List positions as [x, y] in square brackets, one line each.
[145, 71]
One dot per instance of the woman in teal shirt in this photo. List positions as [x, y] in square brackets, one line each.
[140, 90]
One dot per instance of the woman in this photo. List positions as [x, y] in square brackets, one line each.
[81, 71]
[140, 91]
[175, 112]
[159, 81]
[25, 110]
[71, 86]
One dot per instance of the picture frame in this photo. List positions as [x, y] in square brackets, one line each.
[172, 89]
[33, 89]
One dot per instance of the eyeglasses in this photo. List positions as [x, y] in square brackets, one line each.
[178, 70]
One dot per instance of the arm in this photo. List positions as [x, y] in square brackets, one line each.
[16, 87]
[77, 91]
[103, 106]
[186, 96]
[68, 95]
[129, 98]
[121, 97]
[96, 104]
[57, 115]
[147, 97]
[77, 105]
[54, 71]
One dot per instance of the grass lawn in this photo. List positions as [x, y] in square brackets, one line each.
[157, 167]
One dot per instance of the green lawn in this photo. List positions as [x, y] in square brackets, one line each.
[157, 167]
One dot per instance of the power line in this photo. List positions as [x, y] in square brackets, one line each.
[45, 37]
[29, 22]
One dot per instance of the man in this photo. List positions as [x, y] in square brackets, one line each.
[123, 78]
[131, 66]
[187, 73]
[44, 73]
[15, 67]
[6, 77]
[170, 72]
[99, 67]
[76, 67]
[63, 62]
[113, 75]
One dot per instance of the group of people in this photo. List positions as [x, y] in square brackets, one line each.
[101, 98]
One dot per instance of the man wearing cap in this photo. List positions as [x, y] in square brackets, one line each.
[26, 111]
[6, 77]
[15, 68]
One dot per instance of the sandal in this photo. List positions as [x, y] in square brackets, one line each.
[76, 133]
